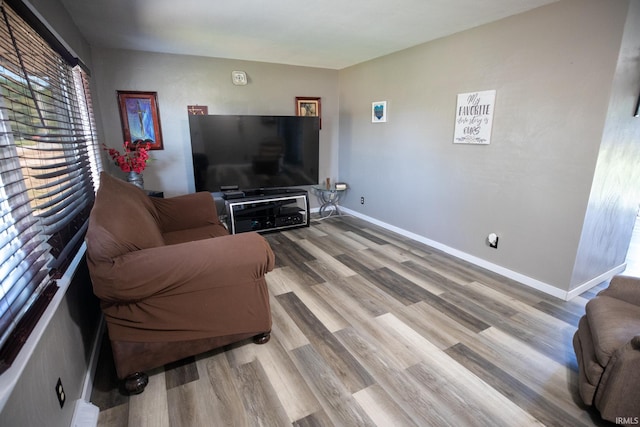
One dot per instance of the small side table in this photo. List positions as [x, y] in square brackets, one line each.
[329, 197]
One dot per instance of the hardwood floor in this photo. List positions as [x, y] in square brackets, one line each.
[370, 328]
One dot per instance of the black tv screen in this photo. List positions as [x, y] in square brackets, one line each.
[253, 152]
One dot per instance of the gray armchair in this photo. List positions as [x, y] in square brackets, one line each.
[607, 346]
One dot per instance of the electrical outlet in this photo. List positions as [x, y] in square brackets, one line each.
[493, 240]
[60, 393]
[362, 200]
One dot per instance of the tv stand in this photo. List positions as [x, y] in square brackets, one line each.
[265, 210]
[255, 192]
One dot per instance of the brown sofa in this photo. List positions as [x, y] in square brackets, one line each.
[171, 280]
[607, 347]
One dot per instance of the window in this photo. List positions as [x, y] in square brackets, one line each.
[49, 164]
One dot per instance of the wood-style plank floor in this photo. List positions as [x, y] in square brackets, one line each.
[373, 329]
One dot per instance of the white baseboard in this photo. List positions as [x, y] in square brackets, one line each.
[595, 281]
[518, 277]
[85, 414]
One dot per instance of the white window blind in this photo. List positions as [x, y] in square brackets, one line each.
[49, 164]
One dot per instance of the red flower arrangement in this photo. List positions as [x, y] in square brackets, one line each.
[134, 159]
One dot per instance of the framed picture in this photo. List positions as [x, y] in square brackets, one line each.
[198, 110]
[140, 118]
[379, 112]
[309, 107]
[474, 117]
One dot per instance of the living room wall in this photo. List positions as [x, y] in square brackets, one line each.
[615, 194]
[182, 80]
[553, 69]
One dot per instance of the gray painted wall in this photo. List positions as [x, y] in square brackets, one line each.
[64, 352]
[182, 80]
[553, 70]
[58, 21]
[613, 204]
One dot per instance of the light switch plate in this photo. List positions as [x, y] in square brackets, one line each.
[239, 78]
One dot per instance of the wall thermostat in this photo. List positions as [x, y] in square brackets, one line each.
[239, 78]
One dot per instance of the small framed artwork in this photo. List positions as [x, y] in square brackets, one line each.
[309, 107]
[379, 112]
[140, 118]
[197, 110]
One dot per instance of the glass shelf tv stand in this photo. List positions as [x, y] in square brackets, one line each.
[268, 210]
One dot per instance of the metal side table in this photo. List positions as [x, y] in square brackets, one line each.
[329, 197]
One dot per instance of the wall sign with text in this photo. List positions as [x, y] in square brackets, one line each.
[474, 117]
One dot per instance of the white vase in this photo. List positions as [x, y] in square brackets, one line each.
[135, 178]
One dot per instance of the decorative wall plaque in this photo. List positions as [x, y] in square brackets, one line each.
[474, 117]
[198, 110]
[379, 112]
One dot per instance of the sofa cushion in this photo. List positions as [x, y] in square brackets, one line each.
[122, 220]
[205, 232]
[625, 288]
[185, 212]
[613, 323]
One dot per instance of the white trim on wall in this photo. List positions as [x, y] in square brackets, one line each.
[596, 280]
[85, 413]
[518, 277]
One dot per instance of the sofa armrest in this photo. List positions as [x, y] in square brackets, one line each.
[184, 212]
[185, 267]
[624, 288]
[618, 393]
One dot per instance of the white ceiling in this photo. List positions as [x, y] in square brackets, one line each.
[330, 34]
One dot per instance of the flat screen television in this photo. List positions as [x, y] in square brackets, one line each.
[254, 152]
